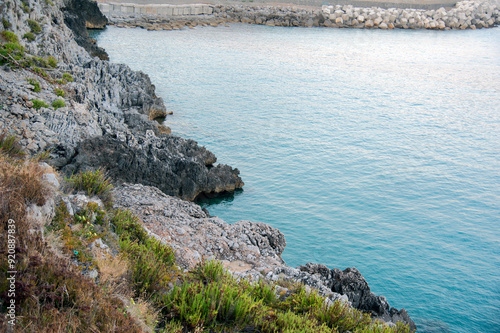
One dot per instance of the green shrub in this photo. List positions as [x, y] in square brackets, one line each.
[13, 47]
[93, 183]
[210, 271]
[59, 92]
[291, 322]
[152, 263]
[67, 77]
[197, 305]
[34, 26]
[52, 61]
[58, 103]
[9, 36]
[38, 104]
[27, 62]
[61, 82]
[6, 24]
[12, 50]
[41, 62]
[29, 36]
[127, 225]
[35, 84]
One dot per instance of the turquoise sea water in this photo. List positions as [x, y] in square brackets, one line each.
[366, 148]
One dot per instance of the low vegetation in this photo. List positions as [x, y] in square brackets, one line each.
[38, 104]
[93, 183]
[58, 103]
[59, 92]
[139, 288]
[34, 26]
[9, 36]
[35, 84]
[29, 36]
[67, 77]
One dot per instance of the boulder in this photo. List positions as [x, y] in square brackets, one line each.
[351, 283]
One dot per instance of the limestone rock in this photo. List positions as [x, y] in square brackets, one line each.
[177, 166]
[351, 283]
[195, 236]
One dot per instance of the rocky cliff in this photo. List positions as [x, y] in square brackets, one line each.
[80, 15]
[99, 106]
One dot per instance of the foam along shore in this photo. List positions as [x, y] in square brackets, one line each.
[464, 15]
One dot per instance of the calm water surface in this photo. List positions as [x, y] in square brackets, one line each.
[366, 148]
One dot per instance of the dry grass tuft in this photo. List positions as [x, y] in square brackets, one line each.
[112, 270]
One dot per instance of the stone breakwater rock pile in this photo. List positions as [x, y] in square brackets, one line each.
[247, 249]
[108, 107]
[465, 15]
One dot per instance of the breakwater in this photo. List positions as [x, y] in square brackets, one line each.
[464, 15]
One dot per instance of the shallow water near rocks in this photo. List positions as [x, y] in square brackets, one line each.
[366, 148]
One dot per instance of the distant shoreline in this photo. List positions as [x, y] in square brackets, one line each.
[154, 16]
[422, 4]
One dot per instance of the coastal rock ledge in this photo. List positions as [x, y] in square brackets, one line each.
[247, 249]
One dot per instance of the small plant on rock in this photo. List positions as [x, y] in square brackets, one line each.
[40, 71]
[67, 77]
[9, 36]
[38, 104]
[93, 183]
[34, 26]
[26, 7]
[29, 36]
[35, 84]
[59, 92]
[52, 61]
[58, 103]
[9, 145]
[6, 23]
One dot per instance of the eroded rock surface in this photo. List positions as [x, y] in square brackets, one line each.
[176, 166]
[196, 236]
[351, 283]
[247, 249]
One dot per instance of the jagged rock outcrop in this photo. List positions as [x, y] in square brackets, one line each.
[176, 166]
[194, 235]
[351, 283]
[80, 15]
